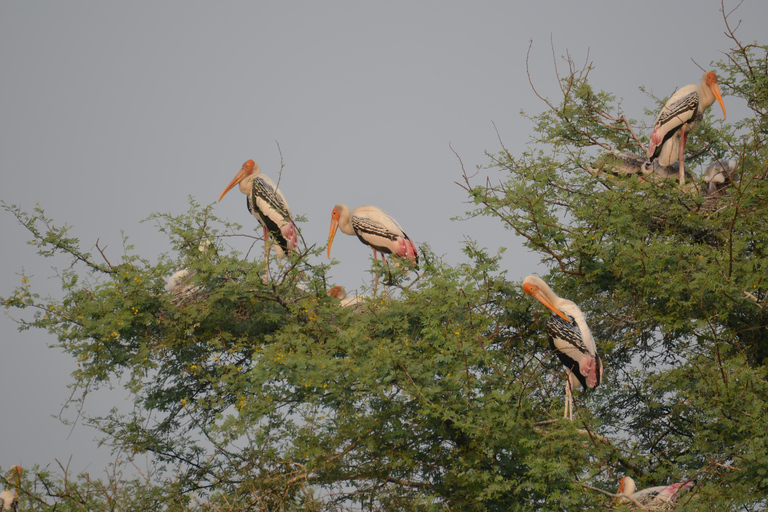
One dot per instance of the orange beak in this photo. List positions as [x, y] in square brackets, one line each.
[18, 482]
[244, 172]
[537, 294]
[332, 233]
[712, 84]
[716, 91]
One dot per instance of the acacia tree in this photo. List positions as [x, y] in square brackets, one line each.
[674, 284]
[442, 394]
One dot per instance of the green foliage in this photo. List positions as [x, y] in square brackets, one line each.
[271, 395]
[674, 285]
[441, 393]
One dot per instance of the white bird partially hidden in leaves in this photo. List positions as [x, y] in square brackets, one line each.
[376, 229]
[268, 205]
[9, 499]
[653, 497]
[622, 163]
[570, 338]
[680, 115]
[178, 283]
[338, 292]
[718, 176]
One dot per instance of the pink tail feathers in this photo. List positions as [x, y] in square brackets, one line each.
[406, 249]
[291, 234]
[670, 492]
[655, 141]
[591, 368]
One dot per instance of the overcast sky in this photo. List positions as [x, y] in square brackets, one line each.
[112, 111]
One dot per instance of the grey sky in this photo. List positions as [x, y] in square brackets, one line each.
[112, 111]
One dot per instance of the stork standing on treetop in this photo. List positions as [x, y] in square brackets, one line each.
[653, 496]
[268, 205]
[8, 498]
[680, 115]
[376, 229]
[570, 338]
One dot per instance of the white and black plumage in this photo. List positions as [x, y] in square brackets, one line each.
[718, 176]
[375, 228]
[653, 497]
[268, 205]
[682, 112]
[9, 498]
[570, 338]
[622, 163]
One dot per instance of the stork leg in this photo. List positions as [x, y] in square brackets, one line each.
[682, 150]
[376, 274]
[568, 399]
[266, 254]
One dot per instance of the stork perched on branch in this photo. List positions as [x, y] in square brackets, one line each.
[680, 115]
[9, 499]
[653, 497]
[570, 338]
[376, 229]
[268, 205]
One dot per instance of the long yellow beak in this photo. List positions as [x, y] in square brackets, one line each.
[712, 84]
[716, 91]
[244, 172]
[18, 482]
[331, 234]
[537, 294]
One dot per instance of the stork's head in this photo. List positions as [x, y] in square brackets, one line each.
[626, 486]
[711, 81]
[338, 292]
[250, 169]
[538, 289]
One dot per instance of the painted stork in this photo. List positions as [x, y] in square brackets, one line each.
[178, 283]
[268, 205]
[621, 163]
[9, 499]
[338, 292]
[680, 115]
[570, 338]
[653, 496]
[718, 176]
[376, 229]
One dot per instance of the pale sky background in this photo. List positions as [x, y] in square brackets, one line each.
[112, 111]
